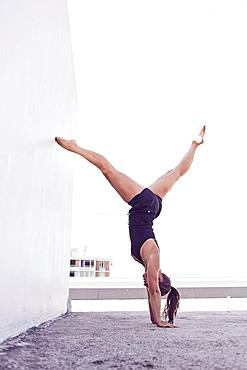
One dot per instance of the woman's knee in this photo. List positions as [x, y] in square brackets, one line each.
[107, 169]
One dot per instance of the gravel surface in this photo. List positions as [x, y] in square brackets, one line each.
[114, 340]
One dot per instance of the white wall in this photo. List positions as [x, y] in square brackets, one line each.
[37, 102]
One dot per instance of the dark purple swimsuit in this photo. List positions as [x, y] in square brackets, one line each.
[146, 206]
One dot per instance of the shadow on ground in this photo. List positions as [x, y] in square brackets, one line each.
[128, 341]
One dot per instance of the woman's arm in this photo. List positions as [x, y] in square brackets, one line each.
[154, 296]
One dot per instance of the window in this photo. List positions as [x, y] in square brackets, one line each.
[72, 273]
[86, 273]
[72, 263]
[101, 264]
[87, 263]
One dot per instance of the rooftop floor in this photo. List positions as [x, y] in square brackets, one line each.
[125, 340]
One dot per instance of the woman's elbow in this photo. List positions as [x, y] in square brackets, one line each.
[153, 289]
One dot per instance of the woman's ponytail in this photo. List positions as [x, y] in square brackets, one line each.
[172, 304]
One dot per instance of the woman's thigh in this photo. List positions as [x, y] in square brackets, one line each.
[126, 187]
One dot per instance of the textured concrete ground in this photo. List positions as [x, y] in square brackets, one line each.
[128, 341]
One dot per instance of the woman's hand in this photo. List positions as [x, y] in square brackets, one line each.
[165, 324]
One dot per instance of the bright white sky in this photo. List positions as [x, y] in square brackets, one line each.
[148, 74]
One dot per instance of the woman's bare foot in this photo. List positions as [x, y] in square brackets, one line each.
[67, 144]
[199, 140]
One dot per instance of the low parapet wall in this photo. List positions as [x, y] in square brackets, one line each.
[140, 293]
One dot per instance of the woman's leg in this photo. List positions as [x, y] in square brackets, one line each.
[124, 185]
[164, 183]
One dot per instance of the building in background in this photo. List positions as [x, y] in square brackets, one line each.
[90, 267]
[82, 266]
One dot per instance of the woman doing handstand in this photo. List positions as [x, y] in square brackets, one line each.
[145, 205]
